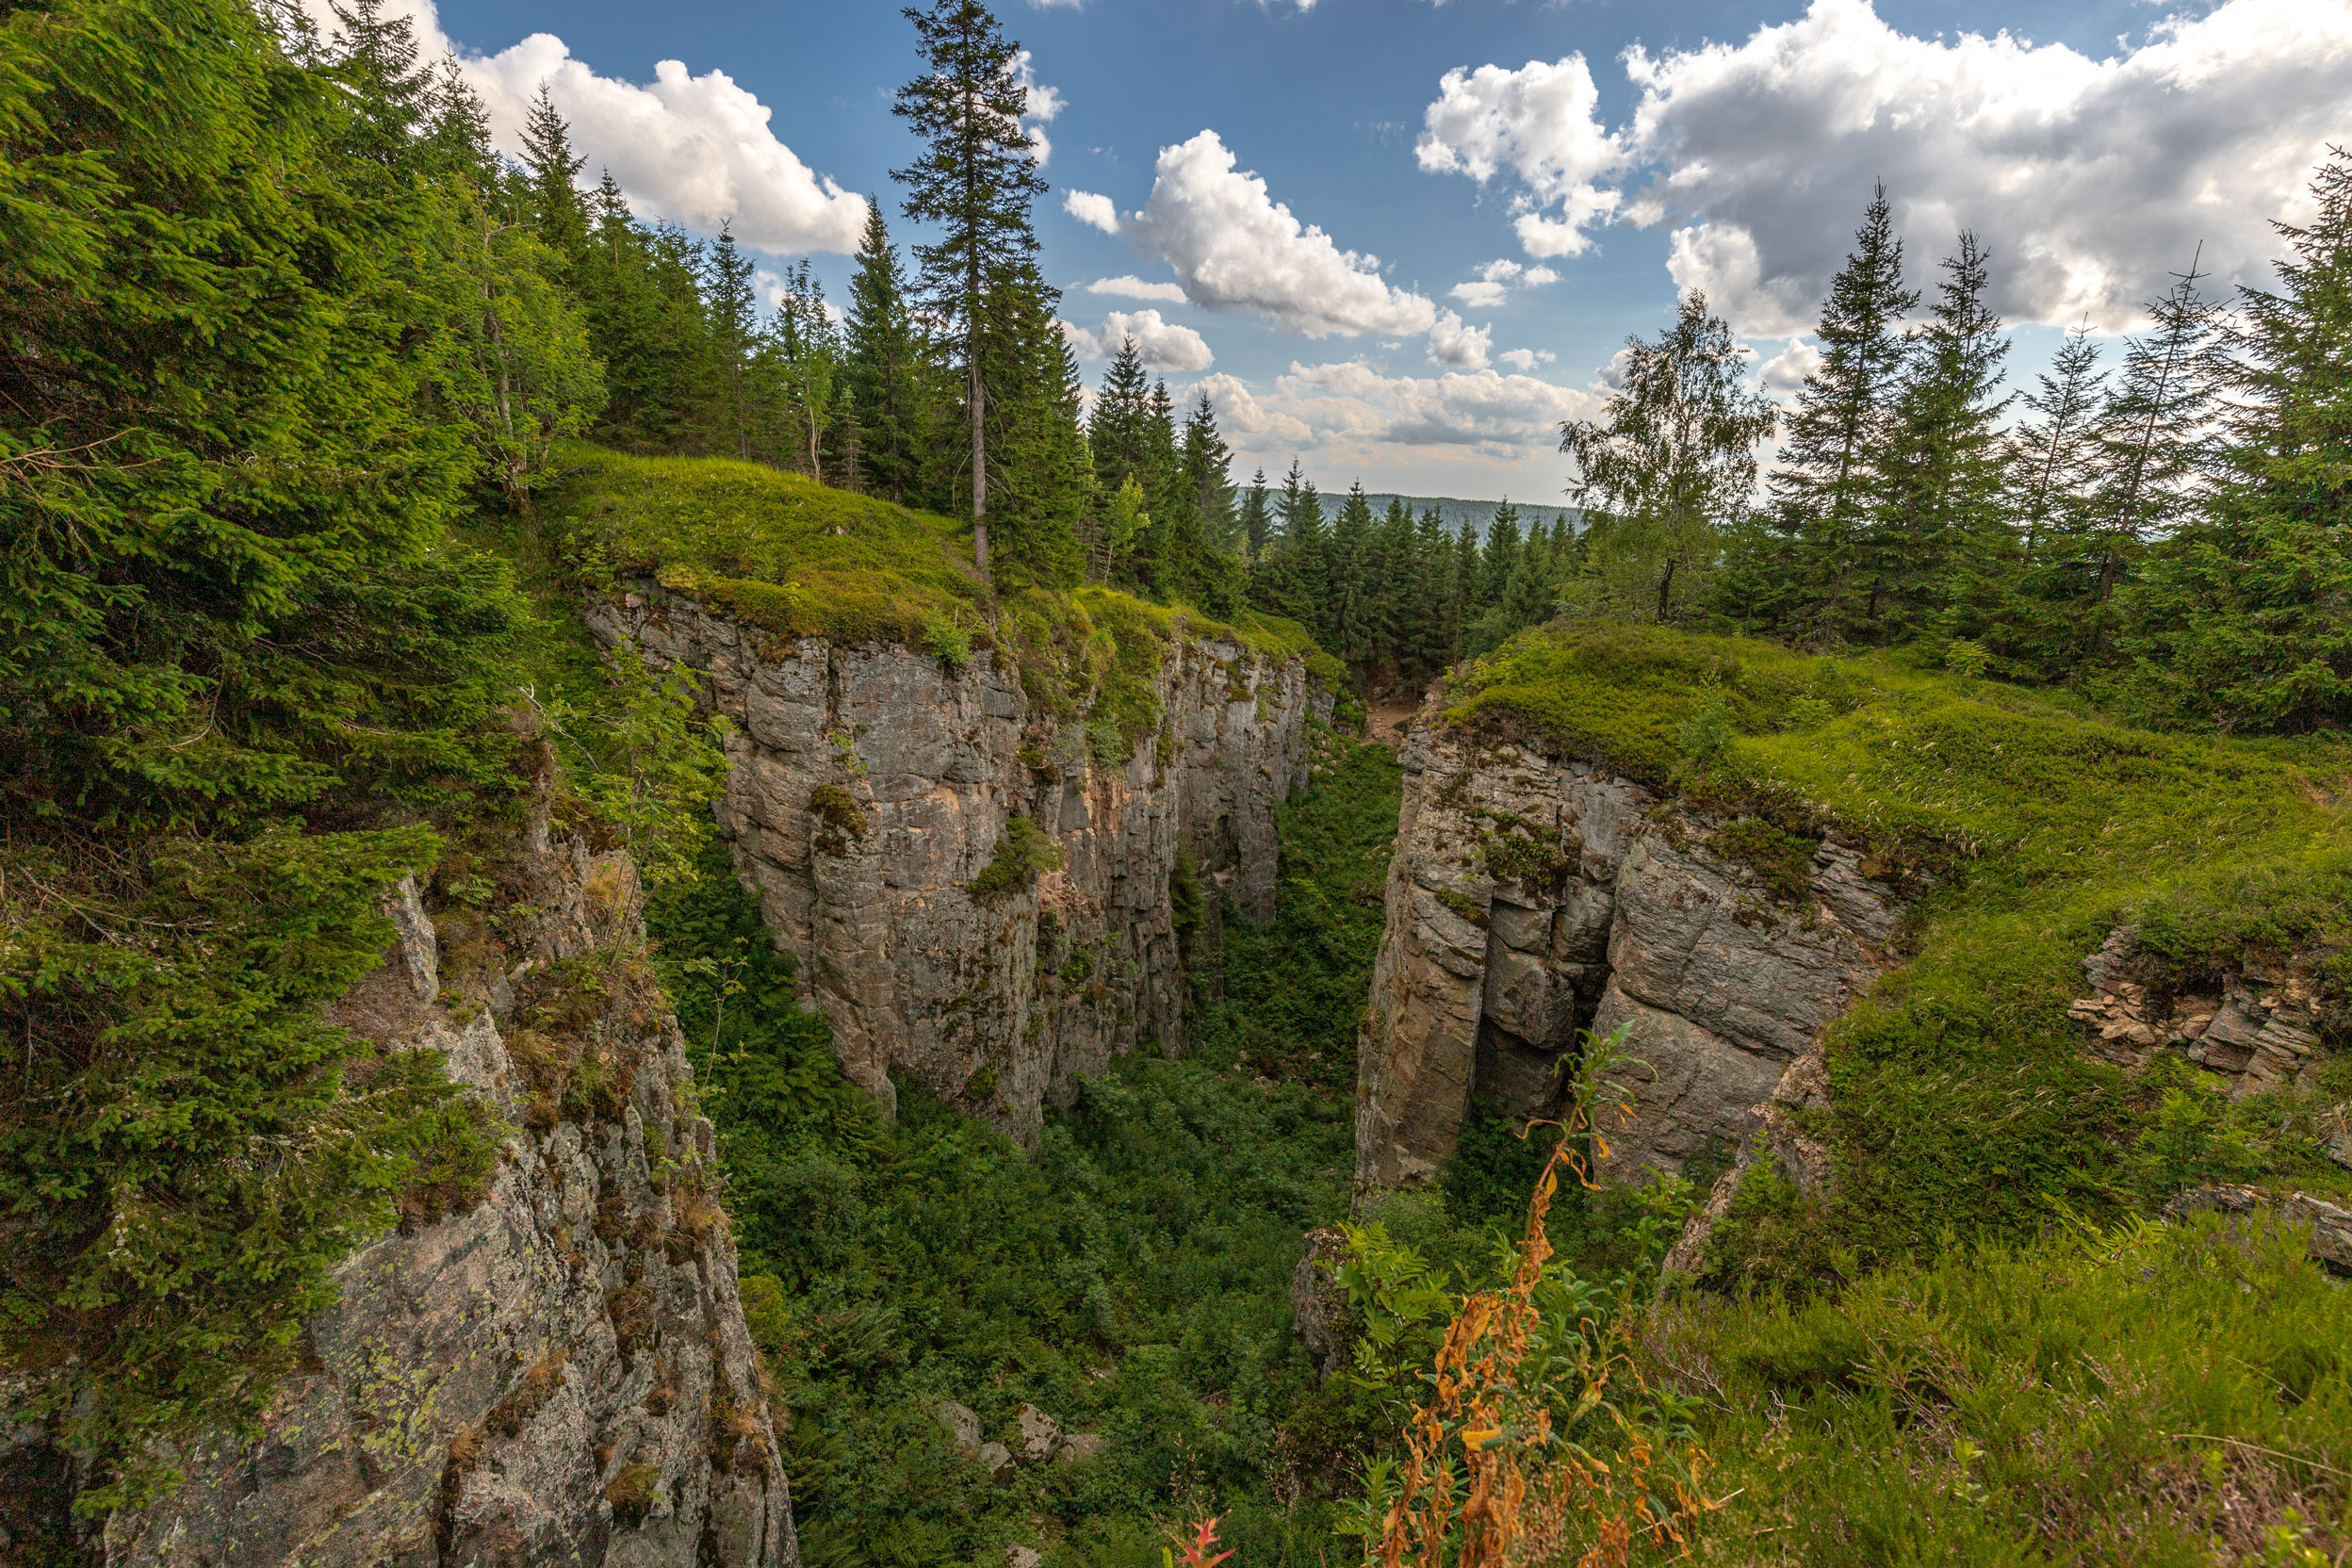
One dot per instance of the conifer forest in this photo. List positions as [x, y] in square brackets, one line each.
[651, 916]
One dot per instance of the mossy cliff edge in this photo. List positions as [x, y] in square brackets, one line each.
[994, 828]
[548, 1359]
[1908, 952]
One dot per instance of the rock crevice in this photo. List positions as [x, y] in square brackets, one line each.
[1532, 897]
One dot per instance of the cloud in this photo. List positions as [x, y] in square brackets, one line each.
[1165, 345]
[1233, 247]
[1356, 412]
[1095, 211]
[1128, 287]
[1527, 359]
[1496, 280]
[1042, 105]
[1784, 373]
[1538, 123]
[1452, 342]
[694, 149]
[2090, 179]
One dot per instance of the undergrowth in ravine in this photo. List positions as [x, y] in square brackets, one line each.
[1131, 1279]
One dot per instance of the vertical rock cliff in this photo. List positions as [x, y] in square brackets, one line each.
[1533, 896]
[549, 1365]
[872, 788]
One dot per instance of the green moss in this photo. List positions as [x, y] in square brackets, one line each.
[633, 1493]
[782, 552]
[1462, 905]
[2023, 829]
[980, 1087]
[844, 822]
[1782, 862]
[1022, 855]
[1517, 850]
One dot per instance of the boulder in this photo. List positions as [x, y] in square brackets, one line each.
[1041, 1435]
[1318, 1307]
[996, 1461]
[963, 1427]
[1082, 1445]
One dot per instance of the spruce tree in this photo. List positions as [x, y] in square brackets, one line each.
[976, 179]
[2021, 600]
[1498, 556]
[557, 208]
[1942, 509]
[1462, 599]
[1829, 486]
[1256, 518]
[883, 368]
[2244, 618]
[1036, 450]
[732, 310]
[2155, 430]
[1206, 567]
[1349, 604]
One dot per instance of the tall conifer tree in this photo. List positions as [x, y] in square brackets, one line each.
[2245, 618]
[1828, 489]
[976, 178]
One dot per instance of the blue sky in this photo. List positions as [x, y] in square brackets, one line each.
[2094, 145]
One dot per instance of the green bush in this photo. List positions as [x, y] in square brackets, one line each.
[1022, 854]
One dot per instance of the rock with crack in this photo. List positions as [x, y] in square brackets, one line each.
[1534, 896]
[2260, 1033]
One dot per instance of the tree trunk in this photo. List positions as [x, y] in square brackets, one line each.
[979, 467]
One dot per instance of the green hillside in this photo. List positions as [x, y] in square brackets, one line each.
[2024, 829]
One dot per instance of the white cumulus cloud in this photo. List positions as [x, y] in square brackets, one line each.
[1233, 247]
[1454, 342]
[694, 149]
[1527, 359]
[1539, 124]
[1496, 279]
[1784, 373]
[2091, 179]
[1165, 345]
[1041, 104]
[1128, 287]
[1354, 412]
[1088, 208]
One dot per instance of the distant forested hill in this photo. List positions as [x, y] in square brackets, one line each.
[1452, 511]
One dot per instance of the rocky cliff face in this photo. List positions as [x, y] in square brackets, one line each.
[1533, 896]
[559, 1370]
[871, 787]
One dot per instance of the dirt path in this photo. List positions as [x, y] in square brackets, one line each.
[1386, 722]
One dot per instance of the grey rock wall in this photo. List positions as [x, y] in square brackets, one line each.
[1003, 1006]
[1531, 897]
[560, 1374]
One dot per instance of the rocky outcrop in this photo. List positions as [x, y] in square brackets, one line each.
[2331, 1245]
[871, 787]
[559, 1371]
[1534, 896]
[2257, 1027]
